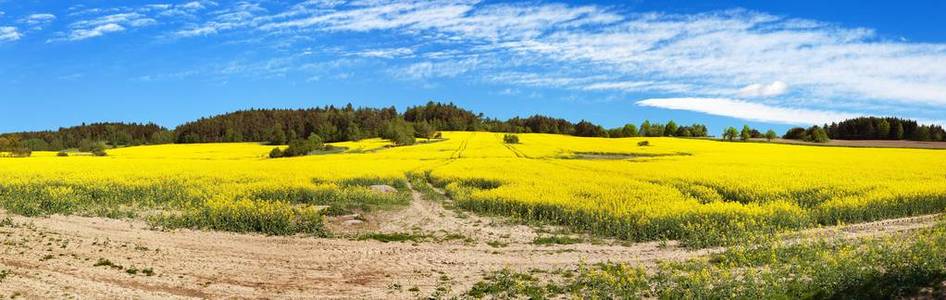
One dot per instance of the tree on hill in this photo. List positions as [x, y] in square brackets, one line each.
[399, 132]
[645, 128]
[730, 134]
[770, 135]
[746, 133]
[670, 129]
[587, 129]
[887, 128]
[447, 117]
[796, 133]
[818, 135]
[629, 130]
[123, 134]
[424, 130]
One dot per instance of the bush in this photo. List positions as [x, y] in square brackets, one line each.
[98, 149]
[276, 153]
[402, 138]
[511, 139]
[62, 154]
[817, 135]
[300, 147]
[21, 152]
[643, 143]
[796, 133]
[399, 132]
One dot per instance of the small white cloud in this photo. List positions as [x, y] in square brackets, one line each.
[158, 6]
[9, 34]
[764, 90]
[192, 5]
[39, 19]
[81, 34]
[386, 53]
[748, 111]
[100, 26]
[197, 31]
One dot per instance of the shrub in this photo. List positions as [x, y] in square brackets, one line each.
[817, 135]
[399, 132]
[300, 147]
[62, 154]
[21, 152]
[275, 153]
[643, 143]
[796, 133]
[97, 148]
[511, 139]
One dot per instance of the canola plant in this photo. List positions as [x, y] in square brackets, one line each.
[702, 192]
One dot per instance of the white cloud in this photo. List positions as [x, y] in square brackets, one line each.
[96, 27]
[242, 15]
[706, 54]
[386, 53]
[582, 48]
[39, 20]
[764, 90]
[427, 70]
[9, 34]
[81, 34]
[192, 5]
[748, 110]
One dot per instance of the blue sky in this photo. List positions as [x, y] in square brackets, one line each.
[724, 63]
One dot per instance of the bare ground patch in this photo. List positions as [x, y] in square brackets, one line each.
[56, 257]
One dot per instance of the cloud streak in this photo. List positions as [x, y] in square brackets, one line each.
[9, 34]
[749, 111]
[733, 54]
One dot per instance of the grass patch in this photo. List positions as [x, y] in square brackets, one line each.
[888, 267]
[394, 237]
[102, 262]
[555, 240]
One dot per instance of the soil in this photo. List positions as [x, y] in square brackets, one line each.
[56, 256]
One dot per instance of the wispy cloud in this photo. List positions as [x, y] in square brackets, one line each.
[9, 34]
[385, 53]
[727, 53]
[100, 30]
[764, 90]
[734, 54]
[96, 27]
[749, 111]
[240, 16]
[38, 21]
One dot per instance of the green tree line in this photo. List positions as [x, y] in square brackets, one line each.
[330, 124]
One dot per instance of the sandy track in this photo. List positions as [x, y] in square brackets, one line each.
[53, 257]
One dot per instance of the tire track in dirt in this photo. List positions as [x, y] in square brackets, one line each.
[53, 257]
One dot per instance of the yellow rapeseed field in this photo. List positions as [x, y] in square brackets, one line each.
[703, 192]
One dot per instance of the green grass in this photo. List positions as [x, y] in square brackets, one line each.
[868, 268]
[394, 237]
[555, 240]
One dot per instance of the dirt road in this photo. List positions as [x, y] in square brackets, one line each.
[69, 256]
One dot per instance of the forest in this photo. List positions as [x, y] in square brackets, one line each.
[328, 124]
[872, 128]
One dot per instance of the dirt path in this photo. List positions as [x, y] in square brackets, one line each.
[55, 257]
